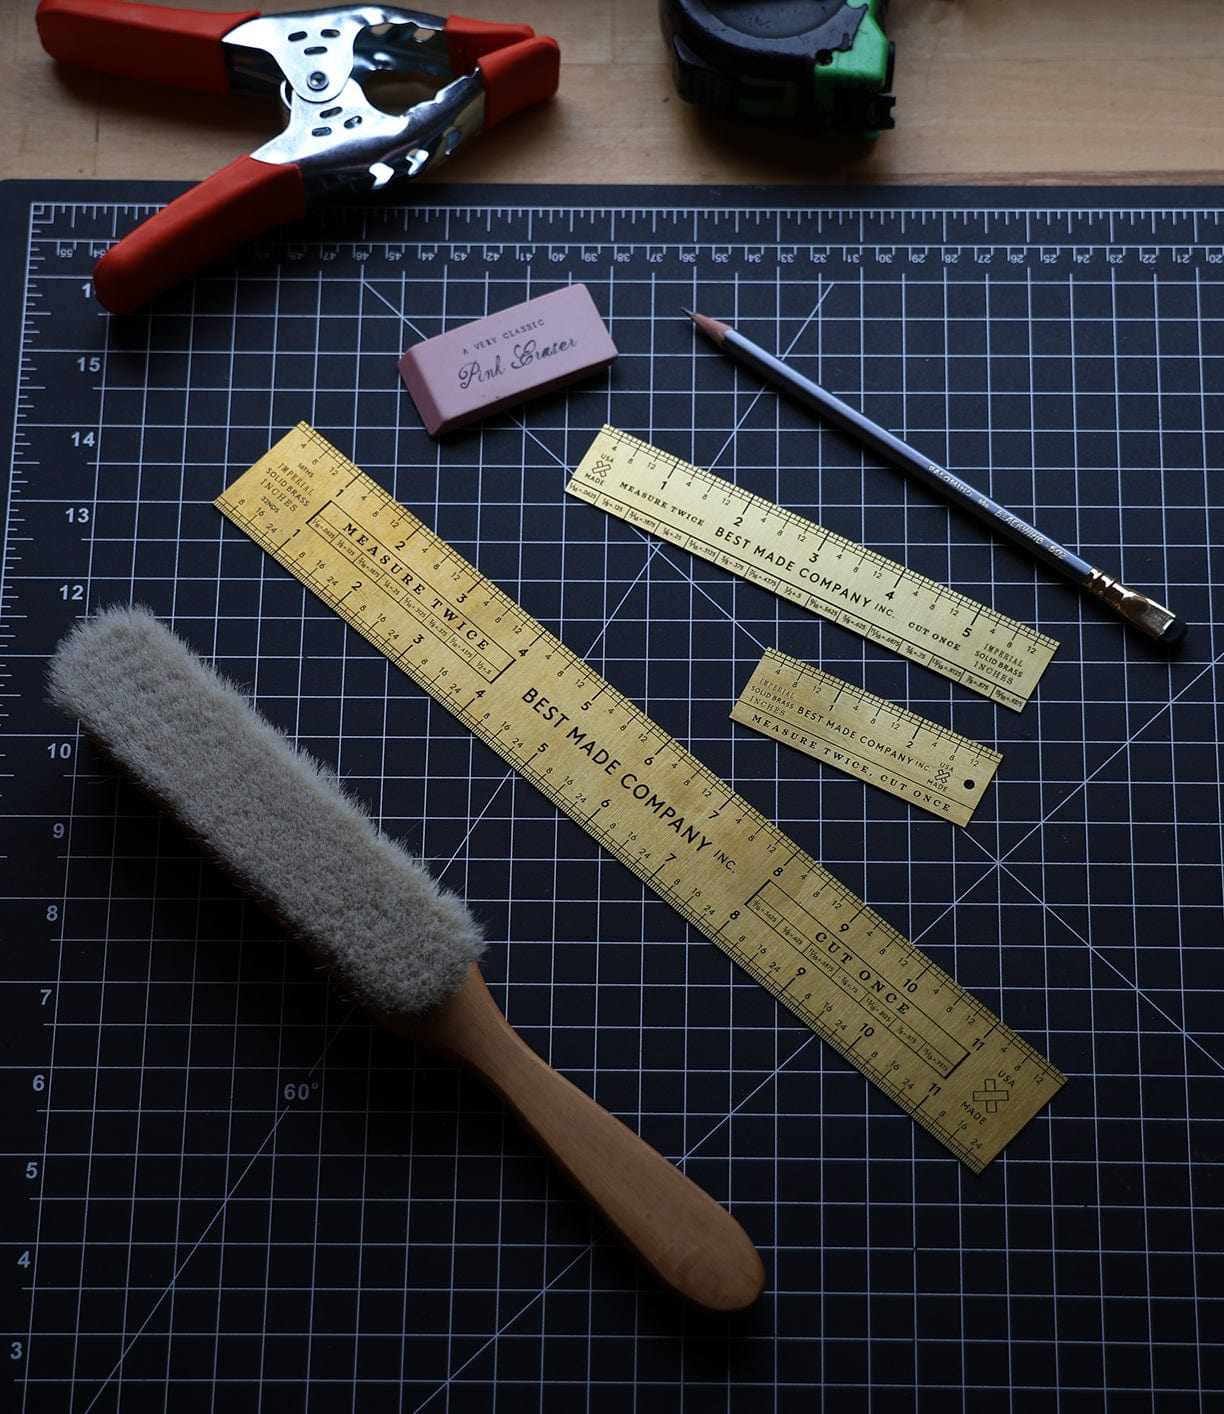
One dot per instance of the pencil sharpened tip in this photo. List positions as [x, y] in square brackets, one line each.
[712, 328]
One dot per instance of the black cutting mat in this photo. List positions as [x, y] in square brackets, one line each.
[225, 1189]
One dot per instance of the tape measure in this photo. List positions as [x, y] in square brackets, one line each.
[877, 741]
[733, 875]
[811, 566]
[821, 64]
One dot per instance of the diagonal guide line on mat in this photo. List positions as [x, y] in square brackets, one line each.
[218, 1212]
[1002, 862]
[998, 861]
[823, 293]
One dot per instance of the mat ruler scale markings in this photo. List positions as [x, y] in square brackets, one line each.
[799, 560]
[822, 952]
[877, 741]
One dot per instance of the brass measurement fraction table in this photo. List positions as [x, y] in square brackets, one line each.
[218, 1178]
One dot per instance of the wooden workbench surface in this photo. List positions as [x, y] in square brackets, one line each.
[1006, 91]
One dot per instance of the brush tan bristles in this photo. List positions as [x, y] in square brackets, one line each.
[267, 812]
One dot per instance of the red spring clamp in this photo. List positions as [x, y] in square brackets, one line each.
[335, 142]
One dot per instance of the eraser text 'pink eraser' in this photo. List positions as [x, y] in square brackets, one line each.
[506, 358]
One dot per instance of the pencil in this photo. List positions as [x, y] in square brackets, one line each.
[1143, 612]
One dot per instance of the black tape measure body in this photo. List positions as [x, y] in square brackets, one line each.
[819, 64]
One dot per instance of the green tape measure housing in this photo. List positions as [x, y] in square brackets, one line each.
[825, 65]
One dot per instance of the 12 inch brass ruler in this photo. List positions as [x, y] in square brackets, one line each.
[925, 1041]
[811, 566]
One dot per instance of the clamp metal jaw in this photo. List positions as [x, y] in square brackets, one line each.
[334, 133]
[337, 141]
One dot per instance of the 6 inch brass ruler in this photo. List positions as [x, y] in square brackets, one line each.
[850, 976]
[876, 741]
[811, 566]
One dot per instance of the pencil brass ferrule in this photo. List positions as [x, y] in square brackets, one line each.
[1138, 609]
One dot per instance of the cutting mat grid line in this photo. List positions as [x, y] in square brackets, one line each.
[222, 1182]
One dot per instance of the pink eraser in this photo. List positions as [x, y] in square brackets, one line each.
[506, 358]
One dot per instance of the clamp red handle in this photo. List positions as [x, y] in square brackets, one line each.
[519, 75]
[470, 40]
[233, 206]
[148, 42]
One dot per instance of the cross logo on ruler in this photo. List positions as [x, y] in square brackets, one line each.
[991, 1096]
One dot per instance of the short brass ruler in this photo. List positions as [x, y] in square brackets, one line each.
[924, 1040]
[801, 561]
[877, 741]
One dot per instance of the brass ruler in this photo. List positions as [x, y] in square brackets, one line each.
[925, 1041]
[877, 741]
[811, 566]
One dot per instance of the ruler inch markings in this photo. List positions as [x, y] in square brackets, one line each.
[822, 952]
[812, 566]
[851, 729]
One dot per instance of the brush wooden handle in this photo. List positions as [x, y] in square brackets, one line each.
[691, 1243]
[268, 815]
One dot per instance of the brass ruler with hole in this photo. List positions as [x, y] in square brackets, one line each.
[850, 976]
[801, 561]
[867, 737]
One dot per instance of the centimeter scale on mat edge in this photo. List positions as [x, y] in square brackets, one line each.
[998, 224]
[79, 253]
[817, 948]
